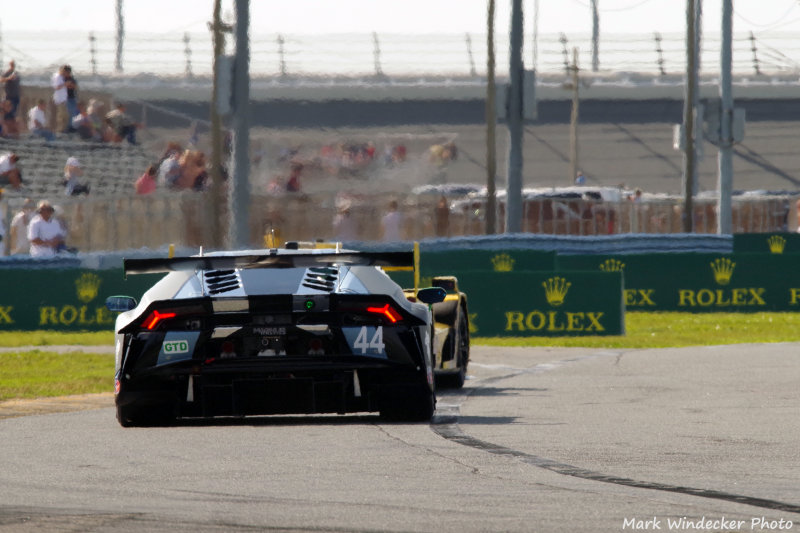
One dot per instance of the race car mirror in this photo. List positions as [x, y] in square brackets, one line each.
[120, 304]
[431, 295]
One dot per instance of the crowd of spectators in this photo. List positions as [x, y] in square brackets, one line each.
[66, 116]
[36, 230]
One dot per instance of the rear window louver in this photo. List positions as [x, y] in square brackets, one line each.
[219, 281]
[321, 278]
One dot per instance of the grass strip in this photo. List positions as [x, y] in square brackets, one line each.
[675, 330]
[14, 339]
[39, 373]
[35, 374]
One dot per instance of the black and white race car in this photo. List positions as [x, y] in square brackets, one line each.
[281, 331]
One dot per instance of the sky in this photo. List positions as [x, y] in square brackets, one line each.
[394, 16]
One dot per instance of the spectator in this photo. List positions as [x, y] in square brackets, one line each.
[95, 111]
[19, 228]
[122, 124]
[293, 185]
[9, 173]
[442, 217]
[37, 121]
[169, 172]
[146, 184]
[580, 179]
[82, 124]
[72, 171]
[59, 85]
[391, 222]
[10, 80]
[72, 97]
[10, 129]
[193, 170]
[278, 186]
[45, 233]
[344, 225]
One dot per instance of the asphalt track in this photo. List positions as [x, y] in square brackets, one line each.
[540, 439]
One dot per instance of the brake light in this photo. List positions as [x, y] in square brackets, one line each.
[155, 317]
[387, 312]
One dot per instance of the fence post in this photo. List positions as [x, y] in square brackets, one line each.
[377, 53]
[281, 55]
[187, 50]
[472, 71]
[756, 66]
[563, 40]
[93, 52]
[660, 53]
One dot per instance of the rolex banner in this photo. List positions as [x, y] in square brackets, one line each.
[544, 303]
[701, 282]
[454, 262]
[771, 243]
[64, 299]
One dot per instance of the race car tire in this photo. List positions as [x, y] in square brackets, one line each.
[456, 379]
[417, 407]
[446, 312]
[129, 416]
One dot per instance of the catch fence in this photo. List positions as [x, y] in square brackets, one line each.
[132, 222]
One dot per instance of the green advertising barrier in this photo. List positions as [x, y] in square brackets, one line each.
[544, 304]
[772, 243]
[64, 299]
[701, 282]
[454, 262]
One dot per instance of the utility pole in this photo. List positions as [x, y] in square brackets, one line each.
[725, 154]
[689, 164]
[491, 127]
[514, 120]
[239, 199]
[216, 197]
[573, 121]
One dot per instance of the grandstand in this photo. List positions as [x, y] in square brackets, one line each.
[110, 169]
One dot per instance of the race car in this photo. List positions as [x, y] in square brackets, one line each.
[279, 331]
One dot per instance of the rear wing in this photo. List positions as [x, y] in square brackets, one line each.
[272, 259]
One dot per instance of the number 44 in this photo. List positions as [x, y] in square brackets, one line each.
[364, 344]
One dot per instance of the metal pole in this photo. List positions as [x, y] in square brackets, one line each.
[697, 145]
[725, 154]
[595, 37]
[573, 122]
[491, 127]
[240, 184]
[688, 121]
[217, 197]
[514, 120]
[120, 36]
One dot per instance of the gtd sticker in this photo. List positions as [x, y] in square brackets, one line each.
[175, 347]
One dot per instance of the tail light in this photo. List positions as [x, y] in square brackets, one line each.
[155, 317]
[369, 311]
[182, 317]
[387, 311]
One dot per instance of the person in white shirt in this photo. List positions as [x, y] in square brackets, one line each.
[19, 228]
[59, 84]
[44, 232]
[37, 121]
[9, 173]
[391, 223]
